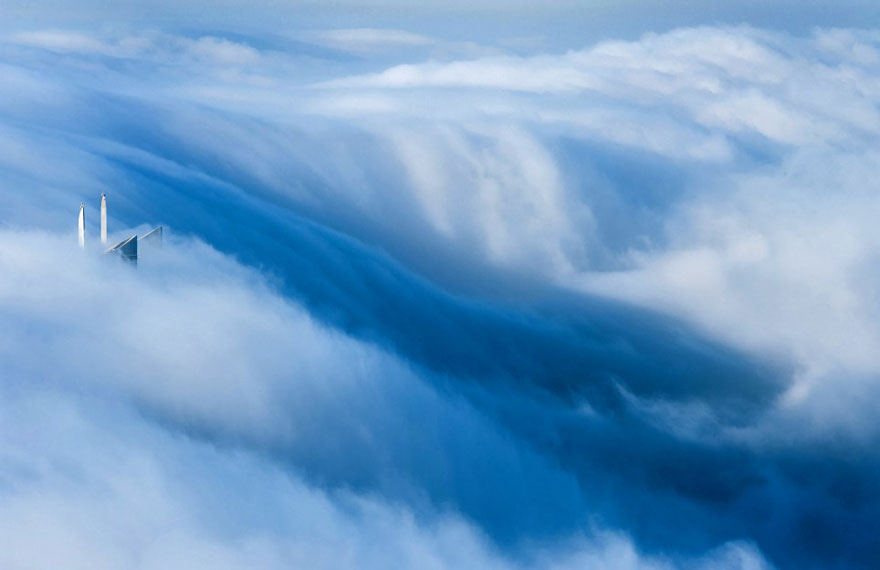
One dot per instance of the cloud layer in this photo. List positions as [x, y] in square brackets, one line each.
[184, 413]
[484, 310]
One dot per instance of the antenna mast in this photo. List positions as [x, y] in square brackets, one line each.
[82, 225]
[103, 218]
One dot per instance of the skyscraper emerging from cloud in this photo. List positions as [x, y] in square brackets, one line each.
[153, 237]
[127, 248]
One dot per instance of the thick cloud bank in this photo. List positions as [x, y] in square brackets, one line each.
[436, 304]
[112, 371]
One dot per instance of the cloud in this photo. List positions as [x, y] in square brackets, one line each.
[716, 97]
[144, 46]
[369, 39]
[514, 311]
[192, 342]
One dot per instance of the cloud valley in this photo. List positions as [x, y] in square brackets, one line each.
[500, 311]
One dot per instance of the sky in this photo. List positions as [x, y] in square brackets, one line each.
[454, 285]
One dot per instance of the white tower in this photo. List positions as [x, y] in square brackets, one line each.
[82, 225]
[103, 219]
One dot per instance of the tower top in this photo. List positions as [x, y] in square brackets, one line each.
[103, 219]
[81, 225]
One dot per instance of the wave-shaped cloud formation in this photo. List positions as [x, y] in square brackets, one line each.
[614, 307]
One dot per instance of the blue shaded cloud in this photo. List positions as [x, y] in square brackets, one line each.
[476, 327]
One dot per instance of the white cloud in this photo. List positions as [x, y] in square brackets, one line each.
[751, 257]
[733, 79]
[785, 260]
[478, 176]
[724, 176]
[367, 40]
[97, 348]
[149, 46]
[61, 41]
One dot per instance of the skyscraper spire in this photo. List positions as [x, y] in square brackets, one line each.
[82, 225]
[103, 219]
